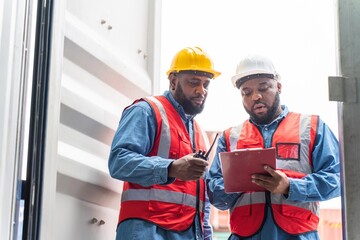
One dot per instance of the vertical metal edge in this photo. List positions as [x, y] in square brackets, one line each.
[52, 123]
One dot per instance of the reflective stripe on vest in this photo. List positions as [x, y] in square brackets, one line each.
[164, 145]
[303, 166]
[247, 199]
[161, 195]
[171, 206]
[287, 214]
[234, 136]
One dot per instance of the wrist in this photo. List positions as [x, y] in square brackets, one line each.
[170, 170]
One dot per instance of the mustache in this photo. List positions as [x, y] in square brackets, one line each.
[199, 96]
[258, 102]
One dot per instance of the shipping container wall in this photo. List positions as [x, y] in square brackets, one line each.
[107, 62]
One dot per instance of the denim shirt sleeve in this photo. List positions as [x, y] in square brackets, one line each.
[215, 182]
[324, 182]
[133, 140]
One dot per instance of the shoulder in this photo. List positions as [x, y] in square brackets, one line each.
[303, 116]
[138, 108]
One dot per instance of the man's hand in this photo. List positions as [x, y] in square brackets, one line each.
[278, 182]
[188, 168]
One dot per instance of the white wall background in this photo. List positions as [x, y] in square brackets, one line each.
[298, 35]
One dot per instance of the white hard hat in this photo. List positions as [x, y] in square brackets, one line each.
[251, 67]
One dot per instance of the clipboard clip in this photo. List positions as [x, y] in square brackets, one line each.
[203, 154]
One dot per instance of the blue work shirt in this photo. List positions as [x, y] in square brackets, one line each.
[133, 140]
[322, 184]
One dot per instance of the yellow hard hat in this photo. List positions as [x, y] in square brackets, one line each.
[193, 59]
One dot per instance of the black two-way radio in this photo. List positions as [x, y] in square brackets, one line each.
[203, 154]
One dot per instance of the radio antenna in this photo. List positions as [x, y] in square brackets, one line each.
[208, 153]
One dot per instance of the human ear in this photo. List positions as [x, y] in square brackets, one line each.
[172, 80]
[279, 87]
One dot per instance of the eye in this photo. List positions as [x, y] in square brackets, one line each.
[206, 85]
[194, 83]
[263, 88]
[246, 92]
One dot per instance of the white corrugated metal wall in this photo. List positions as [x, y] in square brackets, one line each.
[107, 61]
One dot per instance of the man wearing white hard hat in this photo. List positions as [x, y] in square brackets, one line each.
[307, 162]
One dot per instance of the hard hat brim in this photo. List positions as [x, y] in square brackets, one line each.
[214, 73]
[237, 77]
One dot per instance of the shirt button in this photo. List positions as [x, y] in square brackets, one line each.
[266, 129]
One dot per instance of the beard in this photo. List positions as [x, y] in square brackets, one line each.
[186, 103]
[269, 116]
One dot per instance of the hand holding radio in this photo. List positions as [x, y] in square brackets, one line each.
[205, 155]
[190, 167]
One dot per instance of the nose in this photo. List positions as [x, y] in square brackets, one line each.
[201, 89]
[256, 96]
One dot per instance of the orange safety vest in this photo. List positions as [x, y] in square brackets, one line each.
[172, 206]
[294, 140]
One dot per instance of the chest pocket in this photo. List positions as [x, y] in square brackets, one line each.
[185, 146]
[254, 142]
[181, 145]
[288, 151]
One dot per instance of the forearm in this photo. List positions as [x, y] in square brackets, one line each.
[315, 187]
[217, 195]
[132, 167]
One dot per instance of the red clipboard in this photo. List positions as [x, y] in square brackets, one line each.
[239, 165]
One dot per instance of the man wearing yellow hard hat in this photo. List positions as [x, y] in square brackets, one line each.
[153, 152]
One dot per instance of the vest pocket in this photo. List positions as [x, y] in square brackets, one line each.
[243, 205]
[184, 144]
[254, 142]
[160, 201]
[244, 211]
[165, 207]
[296, 212]
[288, 151]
